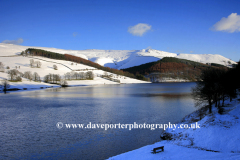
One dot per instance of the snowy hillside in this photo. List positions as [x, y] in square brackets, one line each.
[120, 59]
[22, 64]
[47, 67]
[217, 138]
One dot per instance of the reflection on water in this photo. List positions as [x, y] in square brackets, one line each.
[28, 119]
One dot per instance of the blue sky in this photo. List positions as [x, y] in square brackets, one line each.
[178, 26]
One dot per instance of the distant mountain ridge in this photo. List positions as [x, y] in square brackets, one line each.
[122, 59]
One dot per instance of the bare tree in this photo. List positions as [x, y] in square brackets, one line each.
[31, 63]
[75, 75]
[36, 76]
[210, 89]
[82, 75]
[52, 78]
[55, 67]
[28, 75]
[67, 76]
[39, 64]
[1, 67]
[46, 78]
[89, 75]
[13, 74]
[63, 83]
[5, 85]
[18, 78]
[57, 78]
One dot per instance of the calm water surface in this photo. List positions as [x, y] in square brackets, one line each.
[28, 119]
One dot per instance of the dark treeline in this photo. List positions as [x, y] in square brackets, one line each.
[43, 53]
[217, 85]
[48, 54]
[174, 67]
[52, 78]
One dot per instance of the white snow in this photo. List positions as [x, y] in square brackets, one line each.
[120, 59]
[219, 133]
[102, 61]
[206, 58]
[173, 152]
[10, 57]
[136, 61]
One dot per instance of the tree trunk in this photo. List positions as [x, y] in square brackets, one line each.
[210, 106]
[223, 101]
[216, 100]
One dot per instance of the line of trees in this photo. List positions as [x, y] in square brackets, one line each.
[55, 79]
[35, 76]
[33, 63]
[52, 78]
[15, 75]
[43, 53]
[217, 85]
[79, 75]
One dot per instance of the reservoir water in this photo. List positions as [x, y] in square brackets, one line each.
[28, 119]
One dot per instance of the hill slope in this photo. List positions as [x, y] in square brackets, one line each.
[22, 64]
[172, 69]
[121, 59]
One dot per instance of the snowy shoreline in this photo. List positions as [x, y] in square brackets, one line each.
[217, 138]
[27, 85]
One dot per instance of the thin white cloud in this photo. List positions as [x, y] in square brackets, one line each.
[18, 41]
[230, 24]
[139, 29]
[75, 34]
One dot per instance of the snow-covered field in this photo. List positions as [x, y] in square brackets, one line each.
[120, 59]
[217, 138]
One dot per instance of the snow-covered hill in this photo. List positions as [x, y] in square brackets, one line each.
[120, 59]
[22, 64]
